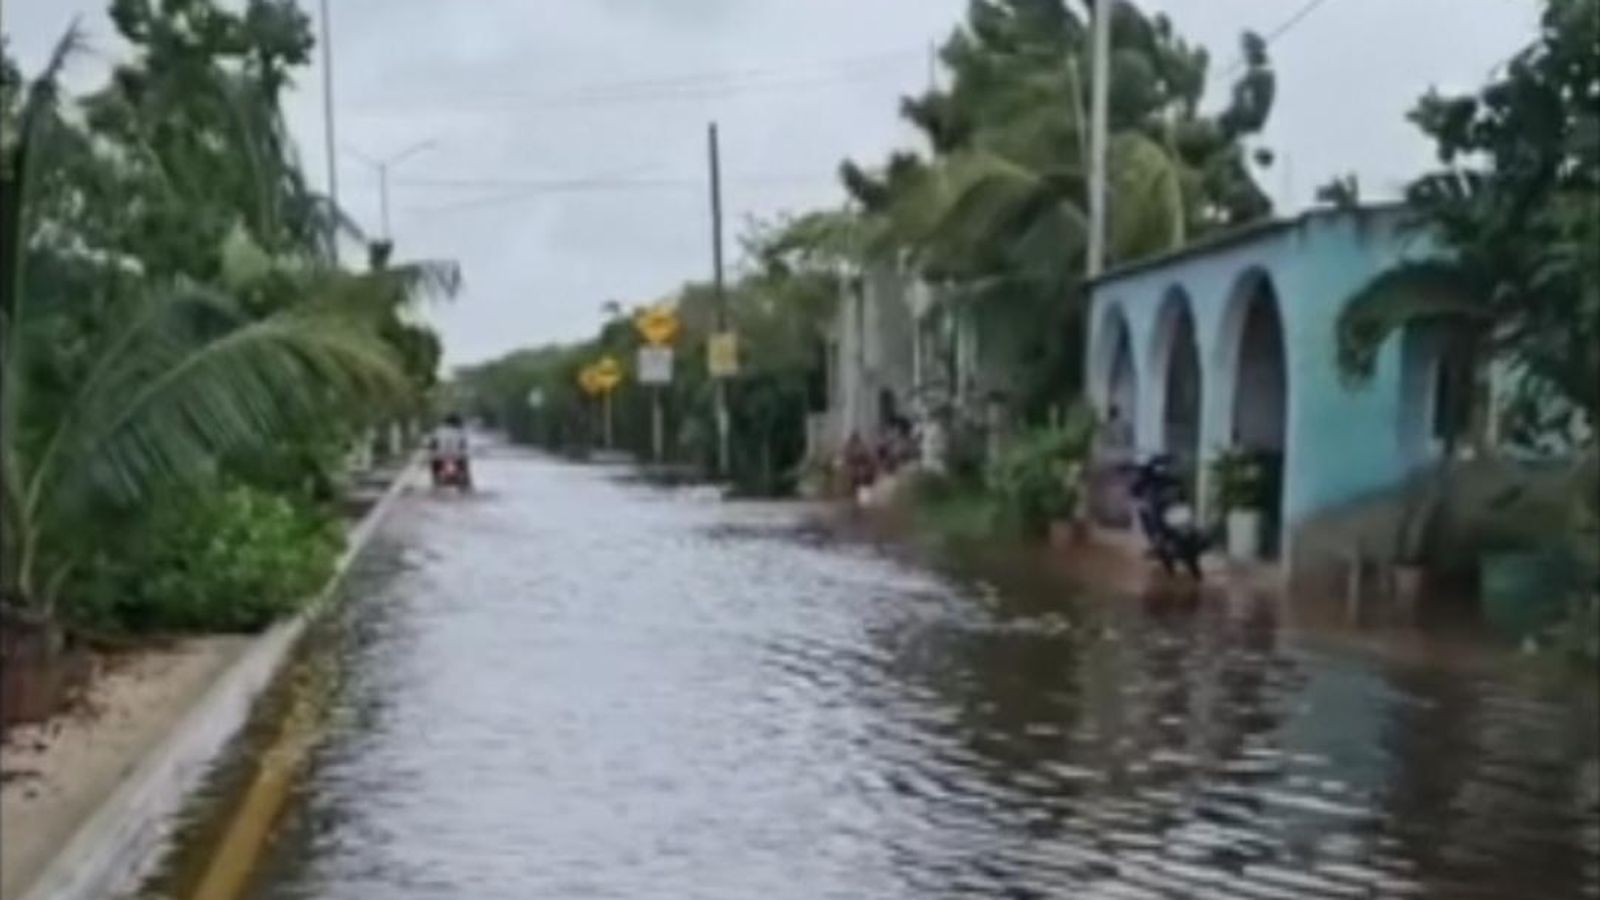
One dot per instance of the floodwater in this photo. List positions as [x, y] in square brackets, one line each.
[573, 686]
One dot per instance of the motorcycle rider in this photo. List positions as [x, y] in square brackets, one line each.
[448, 443]
[1157, 492]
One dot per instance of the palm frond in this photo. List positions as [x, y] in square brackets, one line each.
[1412, 292]
[1051, 249]
[17, 175]
[988, 197]
[197, 380]
[422, 279]
[379, 293]
[333, 222]
[1149, 210]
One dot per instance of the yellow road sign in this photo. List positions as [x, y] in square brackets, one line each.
[722, 355]
[601, 376]
[658, 325]
[608, 373]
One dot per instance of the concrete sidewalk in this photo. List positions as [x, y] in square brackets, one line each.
[88, 796]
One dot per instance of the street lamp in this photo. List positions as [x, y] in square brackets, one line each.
[382, 167]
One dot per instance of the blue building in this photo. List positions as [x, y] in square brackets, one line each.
[1231, 342]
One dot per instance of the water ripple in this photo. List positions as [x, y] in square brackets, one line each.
[578, 687]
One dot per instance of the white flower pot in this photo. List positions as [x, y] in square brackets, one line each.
[1244, 534]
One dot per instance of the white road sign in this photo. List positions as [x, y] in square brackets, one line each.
[655, 365]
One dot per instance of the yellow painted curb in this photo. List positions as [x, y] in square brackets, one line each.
[243, 844]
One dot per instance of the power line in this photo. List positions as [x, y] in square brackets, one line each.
[696, 86]
[513, 192]
[516, 183]
[1284, 27]
[634, 99]
[1290, 23]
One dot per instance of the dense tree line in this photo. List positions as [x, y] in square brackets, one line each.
[175, 328]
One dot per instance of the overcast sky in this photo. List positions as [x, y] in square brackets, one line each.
[569, 163]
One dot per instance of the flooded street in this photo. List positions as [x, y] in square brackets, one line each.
[572, 686]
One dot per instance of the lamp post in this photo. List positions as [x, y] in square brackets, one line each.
[382, 167]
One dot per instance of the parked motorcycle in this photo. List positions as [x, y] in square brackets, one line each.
[1165, 517]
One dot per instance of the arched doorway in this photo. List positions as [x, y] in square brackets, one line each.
[1123, 395]
[1176, 367]
[1115, 380]
[1258, 415]
[1115, 391]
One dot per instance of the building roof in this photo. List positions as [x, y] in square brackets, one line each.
[1243, 234]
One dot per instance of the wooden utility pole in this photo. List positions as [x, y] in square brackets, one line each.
[723, 423]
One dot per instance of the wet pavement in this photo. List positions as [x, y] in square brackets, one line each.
[572, 686]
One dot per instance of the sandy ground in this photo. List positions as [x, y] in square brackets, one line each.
[58, 772]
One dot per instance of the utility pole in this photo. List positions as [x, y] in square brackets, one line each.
[383, 201]
[606, 400]
[723, 423]
[382, 167]
[327, 110]
[1099, 114]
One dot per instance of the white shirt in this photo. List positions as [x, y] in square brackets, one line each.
[450, 441]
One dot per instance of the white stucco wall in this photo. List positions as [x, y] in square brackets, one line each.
[1340, 442]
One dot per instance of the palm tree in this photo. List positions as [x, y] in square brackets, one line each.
[115, 386]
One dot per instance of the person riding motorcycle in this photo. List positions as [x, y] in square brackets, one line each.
[448, 444]
[1165, 519]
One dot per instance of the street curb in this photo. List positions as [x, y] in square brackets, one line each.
[117, 846]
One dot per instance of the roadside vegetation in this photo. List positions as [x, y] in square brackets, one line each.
[185, 362]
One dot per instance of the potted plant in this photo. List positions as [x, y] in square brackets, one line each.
[1239, 477]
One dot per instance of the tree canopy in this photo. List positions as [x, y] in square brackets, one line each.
[171, 310]
[1515, 204]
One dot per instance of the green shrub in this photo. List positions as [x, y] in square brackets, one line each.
[1239, 479]
[1035, 481]
[234, 559]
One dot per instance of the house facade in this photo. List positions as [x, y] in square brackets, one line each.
[895, 350]
[870, 360]
[1231, 343]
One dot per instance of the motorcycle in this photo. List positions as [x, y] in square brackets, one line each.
[1166, 519]
[451, 471]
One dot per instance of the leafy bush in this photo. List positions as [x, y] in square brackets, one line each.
[1035, 481]
[1240, 478]
[230, 560]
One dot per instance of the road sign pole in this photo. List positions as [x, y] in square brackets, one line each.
[723, 424]
[609, 443]
[657, 431]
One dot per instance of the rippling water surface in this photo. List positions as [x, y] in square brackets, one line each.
[573, 687]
